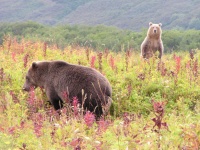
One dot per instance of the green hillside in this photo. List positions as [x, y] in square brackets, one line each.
[44, 11]
[126, 14]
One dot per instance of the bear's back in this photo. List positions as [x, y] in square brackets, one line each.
[80, 77]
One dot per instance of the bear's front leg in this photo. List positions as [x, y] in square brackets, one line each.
[160, 49]
[160, 53]
[144, 49]
[54, 99]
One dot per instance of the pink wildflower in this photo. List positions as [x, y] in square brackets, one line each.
[13, 56]
[89, 118]
[26, 60]
[38, 123]
[31, 98]
[75, 104]
[112, 62]
[103, 125]
[92, 61]
[65, 96]
[178, 63]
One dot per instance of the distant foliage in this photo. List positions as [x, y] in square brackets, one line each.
[99, 37]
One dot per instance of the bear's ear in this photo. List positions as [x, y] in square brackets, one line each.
[150, 23]
[34, 65]
[160, 24]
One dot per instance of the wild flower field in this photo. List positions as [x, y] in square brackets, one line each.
[156, 104]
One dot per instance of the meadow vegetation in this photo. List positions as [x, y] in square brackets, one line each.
[155, 103]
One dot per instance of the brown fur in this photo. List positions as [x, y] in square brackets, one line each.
[59, 77]
[152, 42]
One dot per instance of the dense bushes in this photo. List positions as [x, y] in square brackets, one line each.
[98, 37]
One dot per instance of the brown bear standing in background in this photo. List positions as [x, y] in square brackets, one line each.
[59, 77]
[152, 42]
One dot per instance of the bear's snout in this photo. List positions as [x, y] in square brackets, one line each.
[25, 89]
[29, 88]
[154, 31]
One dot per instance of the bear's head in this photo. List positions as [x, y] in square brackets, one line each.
[154, 30]
[35, 76]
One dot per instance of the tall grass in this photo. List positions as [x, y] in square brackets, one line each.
[155, 103]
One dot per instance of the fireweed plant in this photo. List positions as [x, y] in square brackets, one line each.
[155, 102]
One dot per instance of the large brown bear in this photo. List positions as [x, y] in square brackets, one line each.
[59, 78]
[152, 42]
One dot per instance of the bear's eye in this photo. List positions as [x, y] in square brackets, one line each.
[27, 78]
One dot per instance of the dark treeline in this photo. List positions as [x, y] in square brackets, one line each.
[98, 37]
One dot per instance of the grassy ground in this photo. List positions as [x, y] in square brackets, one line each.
[155, 103]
